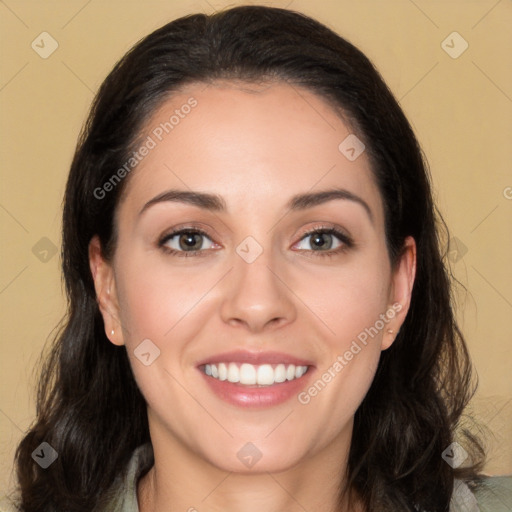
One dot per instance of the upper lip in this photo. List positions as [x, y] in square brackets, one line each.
[255, 358]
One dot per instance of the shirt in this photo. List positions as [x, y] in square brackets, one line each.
[494, 494]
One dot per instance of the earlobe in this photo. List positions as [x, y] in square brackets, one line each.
[106, 296]
[401, 291]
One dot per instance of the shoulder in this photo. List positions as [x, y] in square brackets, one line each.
[122, 497]
[494, 494]
[486, 494]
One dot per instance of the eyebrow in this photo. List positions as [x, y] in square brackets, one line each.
[216, 203]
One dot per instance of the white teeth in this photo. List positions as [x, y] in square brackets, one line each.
[265, 375]
[223, 371]
[280, 373]
[233, 373]
[250, 375]
[247, 374]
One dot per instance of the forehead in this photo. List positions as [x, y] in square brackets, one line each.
[252, 144]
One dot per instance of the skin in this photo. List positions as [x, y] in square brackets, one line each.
[256, 146]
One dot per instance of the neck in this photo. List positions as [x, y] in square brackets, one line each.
[187, 482]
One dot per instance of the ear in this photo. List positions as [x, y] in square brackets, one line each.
[401, 290]
[106, 294]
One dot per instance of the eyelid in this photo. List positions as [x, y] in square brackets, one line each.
[326, 228]
[346, 240]
[198, 227]
[163, 239]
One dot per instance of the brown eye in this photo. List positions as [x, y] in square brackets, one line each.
[325, 241]
[185, 240]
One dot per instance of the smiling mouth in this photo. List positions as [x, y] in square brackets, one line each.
[246, 374]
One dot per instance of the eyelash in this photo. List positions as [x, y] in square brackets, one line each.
[325, 230]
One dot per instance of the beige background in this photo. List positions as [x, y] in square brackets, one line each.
[460, 108]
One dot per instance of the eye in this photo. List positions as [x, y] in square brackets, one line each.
[185, 241]
[322, 241]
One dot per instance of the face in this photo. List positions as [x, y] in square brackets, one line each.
[260, 278]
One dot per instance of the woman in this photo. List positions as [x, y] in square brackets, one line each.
[259, 315]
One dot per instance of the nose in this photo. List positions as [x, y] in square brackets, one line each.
[256, 296]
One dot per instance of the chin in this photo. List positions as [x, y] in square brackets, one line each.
[252, 458]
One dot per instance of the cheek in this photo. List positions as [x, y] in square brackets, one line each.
[346, 299]
[153, 298]
[353, 306]
[349, 300]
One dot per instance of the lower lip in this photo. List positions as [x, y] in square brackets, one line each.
[254, 396]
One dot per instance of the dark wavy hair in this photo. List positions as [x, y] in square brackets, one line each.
[89, 408]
